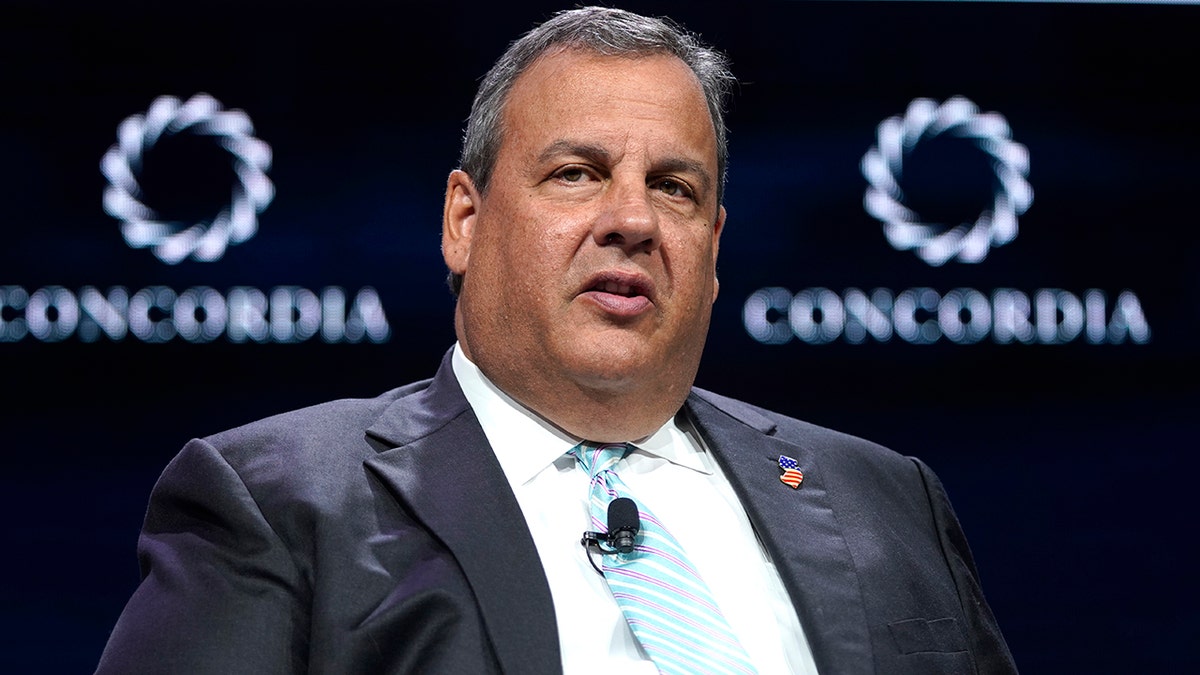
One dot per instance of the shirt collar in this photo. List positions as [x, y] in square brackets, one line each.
[525, 443]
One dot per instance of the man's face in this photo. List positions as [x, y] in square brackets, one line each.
[591, 260]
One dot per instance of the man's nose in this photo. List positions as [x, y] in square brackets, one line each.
[629, 220]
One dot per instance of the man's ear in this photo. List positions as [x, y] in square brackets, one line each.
[458, 220]
[718, 227]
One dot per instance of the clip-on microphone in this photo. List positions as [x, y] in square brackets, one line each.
[623, 526]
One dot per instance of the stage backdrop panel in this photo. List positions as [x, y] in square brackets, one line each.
[963, 230]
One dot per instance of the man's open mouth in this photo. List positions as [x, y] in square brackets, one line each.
[618, 288]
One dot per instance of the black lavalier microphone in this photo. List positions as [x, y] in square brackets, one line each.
[623, 525]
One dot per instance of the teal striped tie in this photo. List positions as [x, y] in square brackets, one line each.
[667, 604]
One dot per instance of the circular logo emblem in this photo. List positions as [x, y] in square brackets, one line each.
[936, 243]
[174, 241]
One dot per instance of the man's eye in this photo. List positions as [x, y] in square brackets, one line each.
[572, 174]
[672, 188]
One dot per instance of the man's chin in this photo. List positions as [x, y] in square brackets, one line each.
[615, 368]
[610, 371]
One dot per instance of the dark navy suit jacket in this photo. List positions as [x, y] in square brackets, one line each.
[381, 536]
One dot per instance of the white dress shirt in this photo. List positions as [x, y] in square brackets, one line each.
[671, 474]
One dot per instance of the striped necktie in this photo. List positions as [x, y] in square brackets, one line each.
[667, 604]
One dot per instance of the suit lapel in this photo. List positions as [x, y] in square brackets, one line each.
[799, 529]
[437, 461]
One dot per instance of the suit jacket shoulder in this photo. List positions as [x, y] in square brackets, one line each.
[799, 431]
[346, 537]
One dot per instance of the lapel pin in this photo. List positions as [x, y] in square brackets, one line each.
[791, 472]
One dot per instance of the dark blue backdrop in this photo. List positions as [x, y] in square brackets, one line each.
[1070, 464]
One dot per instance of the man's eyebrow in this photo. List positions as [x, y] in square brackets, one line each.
[567, 147]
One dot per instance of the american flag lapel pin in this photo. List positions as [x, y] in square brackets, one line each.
[791, 472]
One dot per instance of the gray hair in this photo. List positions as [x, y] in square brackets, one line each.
[602, 30]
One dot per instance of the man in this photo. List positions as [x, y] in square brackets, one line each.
[436, 528]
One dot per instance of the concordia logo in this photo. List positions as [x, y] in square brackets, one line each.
[963, 315]
[935, 244]
[205, 241]
[200, 313]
